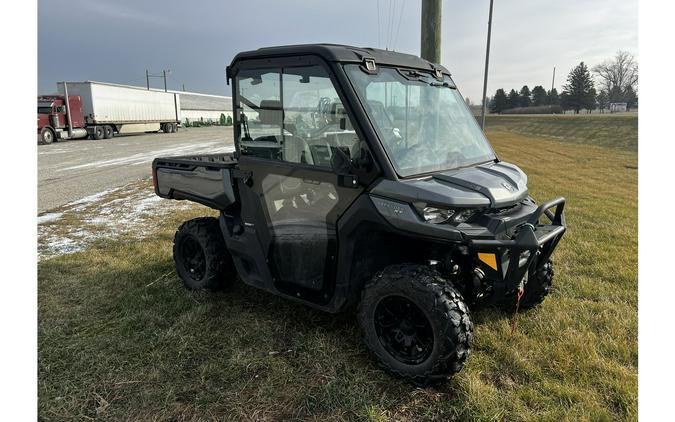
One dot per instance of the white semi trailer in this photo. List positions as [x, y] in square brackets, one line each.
[111, 108]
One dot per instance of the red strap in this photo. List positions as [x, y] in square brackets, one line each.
[515, 316]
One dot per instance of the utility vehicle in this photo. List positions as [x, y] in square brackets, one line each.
[361, 180]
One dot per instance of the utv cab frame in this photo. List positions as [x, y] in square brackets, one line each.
[361, 179]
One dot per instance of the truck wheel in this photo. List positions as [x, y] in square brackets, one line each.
[108, 132]
[201, 257]
[174, 127]
[98, 132]
[539, 284]
[415, 323]
[166, 128]
[46, 136]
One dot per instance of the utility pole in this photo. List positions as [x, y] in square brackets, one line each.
[164, 73]
[553, 81]
[431, 30]
[183, 87]
[147, 79]
[487, 62]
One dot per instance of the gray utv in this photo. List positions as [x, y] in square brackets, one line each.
[360, 180]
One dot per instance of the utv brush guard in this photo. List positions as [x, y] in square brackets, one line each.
[532, 244]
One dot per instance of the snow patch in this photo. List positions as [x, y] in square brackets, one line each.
[52, 216]
[132, 210]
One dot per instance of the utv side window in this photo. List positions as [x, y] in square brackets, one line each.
[293, 114]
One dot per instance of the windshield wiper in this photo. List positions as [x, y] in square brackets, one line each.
[442, 84]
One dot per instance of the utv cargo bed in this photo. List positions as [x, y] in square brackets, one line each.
[206, 179]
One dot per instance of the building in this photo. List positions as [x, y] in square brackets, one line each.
[618, 107]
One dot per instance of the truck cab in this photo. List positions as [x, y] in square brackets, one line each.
[52, 118]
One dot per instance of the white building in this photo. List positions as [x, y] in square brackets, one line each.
[618, 107]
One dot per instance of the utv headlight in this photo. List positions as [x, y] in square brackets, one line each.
[462, 216]
[436, 215]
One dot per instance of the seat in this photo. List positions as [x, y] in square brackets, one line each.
[294, 148]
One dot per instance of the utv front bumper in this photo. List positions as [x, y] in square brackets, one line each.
[508, 262]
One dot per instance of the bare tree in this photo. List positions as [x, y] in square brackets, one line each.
[619, 72]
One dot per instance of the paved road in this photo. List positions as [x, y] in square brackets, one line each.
[68, 171]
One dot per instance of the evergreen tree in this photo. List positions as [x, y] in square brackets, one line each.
[539, 96]
[591, 101]
[616, 95]
[630, 97]
[513, 100]
[525, 95]
[553, 97]
[499, 102]
[579, 91]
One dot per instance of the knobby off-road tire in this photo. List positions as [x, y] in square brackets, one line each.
[449, 324]
[201, 256]
[46, 136]
[538, 286]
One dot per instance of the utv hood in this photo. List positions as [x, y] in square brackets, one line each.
[492, 185]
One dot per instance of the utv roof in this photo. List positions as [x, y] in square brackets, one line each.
[342, 54]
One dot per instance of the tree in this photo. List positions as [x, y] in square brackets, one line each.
[579, 91]
[525, 95]
[591, 101]
[499, 102]
[552, 97]
[630, 98]
[619, 72]
[222, 119]
[513, 100]
[538, 96]
[603, 101]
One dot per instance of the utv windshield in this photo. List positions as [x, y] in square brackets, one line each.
[423, 122]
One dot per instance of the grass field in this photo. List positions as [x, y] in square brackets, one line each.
[119, 338]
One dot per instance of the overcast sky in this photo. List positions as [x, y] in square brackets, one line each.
[116, 40]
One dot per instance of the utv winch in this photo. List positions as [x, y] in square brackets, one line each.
[361, 180]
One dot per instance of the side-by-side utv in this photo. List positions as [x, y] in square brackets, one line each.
[361, 180]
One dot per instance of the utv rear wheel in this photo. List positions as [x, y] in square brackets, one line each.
[415, 323]
[201, 257]
[46, 136]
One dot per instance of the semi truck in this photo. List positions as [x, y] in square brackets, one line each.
[100, 110]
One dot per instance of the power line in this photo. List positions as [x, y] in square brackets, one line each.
[398, 28]
[378, 23]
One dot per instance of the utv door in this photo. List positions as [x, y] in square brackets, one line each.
[293, 130]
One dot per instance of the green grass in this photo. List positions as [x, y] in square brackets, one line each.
[608, 130]
[120, 339]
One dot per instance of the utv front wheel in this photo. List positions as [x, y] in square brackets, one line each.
[415, 323]
[538, 286]
[201, 257]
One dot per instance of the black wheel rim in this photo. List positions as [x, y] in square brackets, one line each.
[193, 258]
[403, 330]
